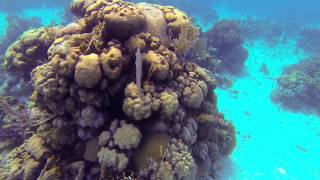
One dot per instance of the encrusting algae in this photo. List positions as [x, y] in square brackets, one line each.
[105, 124]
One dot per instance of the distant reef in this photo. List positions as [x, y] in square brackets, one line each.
[299, 86]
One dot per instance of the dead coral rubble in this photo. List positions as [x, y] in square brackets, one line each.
[105, 125]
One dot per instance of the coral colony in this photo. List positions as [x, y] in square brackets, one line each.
[115, 97]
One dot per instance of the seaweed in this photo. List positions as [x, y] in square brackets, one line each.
[20, 119]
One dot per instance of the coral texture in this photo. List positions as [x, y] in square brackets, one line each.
[103, 124]
[309, 41]
[298, 86]
[226, 39]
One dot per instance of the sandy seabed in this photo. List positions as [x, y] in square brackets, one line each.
[272, 143]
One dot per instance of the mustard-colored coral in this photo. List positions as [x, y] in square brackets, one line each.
[29, 50]
[124, 21]
[169, 103]
[135, 105]
[88, 73]
[112, 63]
[127, 136]
[158, 65]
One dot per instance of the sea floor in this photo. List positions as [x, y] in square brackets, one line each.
[272, 143]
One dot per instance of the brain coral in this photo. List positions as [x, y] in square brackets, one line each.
[88, 82]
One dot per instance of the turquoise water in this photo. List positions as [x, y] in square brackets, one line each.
[3, 23]
[272, 143]
[48, 16]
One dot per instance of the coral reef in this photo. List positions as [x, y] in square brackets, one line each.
[200, 11]
[121, 103]
[10, 133]
[17, 122]
[309, 41]
[298, 86]
[21, 57]
[16, 26]
[267, 30]
[29, 51]
[10, 84]
[226, 39]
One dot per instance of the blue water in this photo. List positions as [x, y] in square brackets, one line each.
[268, 136]
[3, 23]
[272, 143]
[48, 16]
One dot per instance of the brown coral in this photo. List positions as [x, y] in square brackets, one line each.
[29, 51]
[87, 71]
[124, 21]
[88, 84]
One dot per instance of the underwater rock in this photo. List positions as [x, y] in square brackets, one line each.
[102, 124]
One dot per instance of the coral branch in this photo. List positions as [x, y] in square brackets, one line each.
[22, 119]
[188, 37]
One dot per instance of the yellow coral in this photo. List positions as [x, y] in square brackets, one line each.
[112, 63]
[88, 73]
[158, 65]
[169, 103]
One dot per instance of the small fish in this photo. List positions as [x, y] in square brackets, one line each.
[235, 92]
[247, 137]
[282, 171]
[248, 113]
[299, 147]
[264, 69]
